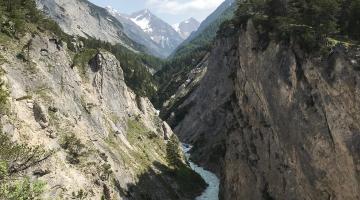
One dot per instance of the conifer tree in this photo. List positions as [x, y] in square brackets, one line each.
[173, 152]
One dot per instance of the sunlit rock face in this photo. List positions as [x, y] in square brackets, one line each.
[275, 123]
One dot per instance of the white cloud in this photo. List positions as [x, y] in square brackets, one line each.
[179, 6]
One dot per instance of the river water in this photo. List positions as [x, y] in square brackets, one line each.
[212, 191]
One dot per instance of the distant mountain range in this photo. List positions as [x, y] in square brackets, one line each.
[141, 31]
[149, 30]
[137, 34]
[207, 30]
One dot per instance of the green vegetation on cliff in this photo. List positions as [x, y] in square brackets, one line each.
[174, 152]
[160, 164]
[310, 23]
[15, 158]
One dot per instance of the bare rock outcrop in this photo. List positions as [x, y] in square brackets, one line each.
[167, 131]
[40, 114]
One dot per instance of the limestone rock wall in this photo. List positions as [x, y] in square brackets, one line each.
[104, 139]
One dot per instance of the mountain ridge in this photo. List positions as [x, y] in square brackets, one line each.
[85, 19]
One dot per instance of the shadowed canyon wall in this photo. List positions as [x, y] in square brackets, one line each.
[275, 123]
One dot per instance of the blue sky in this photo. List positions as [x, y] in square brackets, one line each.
[172, 11]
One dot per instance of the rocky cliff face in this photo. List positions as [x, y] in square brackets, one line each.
[105, 141]
[283, 125]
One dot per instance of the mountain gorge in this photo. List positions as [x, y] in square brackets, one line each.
[185, 63]
[262, 96]
[275, 121]
[272, 108]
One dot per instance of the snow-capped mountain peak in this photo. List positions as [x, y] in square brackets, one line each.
[176, 27]
[143, 20]
[112, 10]
[186, 27]
[159, 31]
[149, 30]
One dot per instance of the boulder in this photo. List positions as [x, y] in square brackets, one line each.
[167, 131]
[40, 114]
[40, 172]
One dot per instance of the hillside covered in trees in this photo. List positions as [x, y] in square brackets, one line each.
[312, 23]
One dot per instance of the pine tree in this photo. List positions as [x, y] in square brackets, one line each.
[349, 20]
[276, 8]
[173, 152]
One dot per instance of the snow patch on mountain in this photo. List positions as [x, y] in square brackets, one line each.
[143, 23]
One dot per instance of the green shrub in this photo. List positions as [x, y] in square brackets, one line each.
[21, 190]
[4, 94]
[82, 59]
[15, 158]
[4, 167]
[81, 194]
[173, 153]
[74, 147]
[20, 157]
[106, 171]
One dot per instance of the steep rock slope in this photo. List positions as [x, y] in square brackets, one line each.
[105, 141]
[85, 19]
[283, 125]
